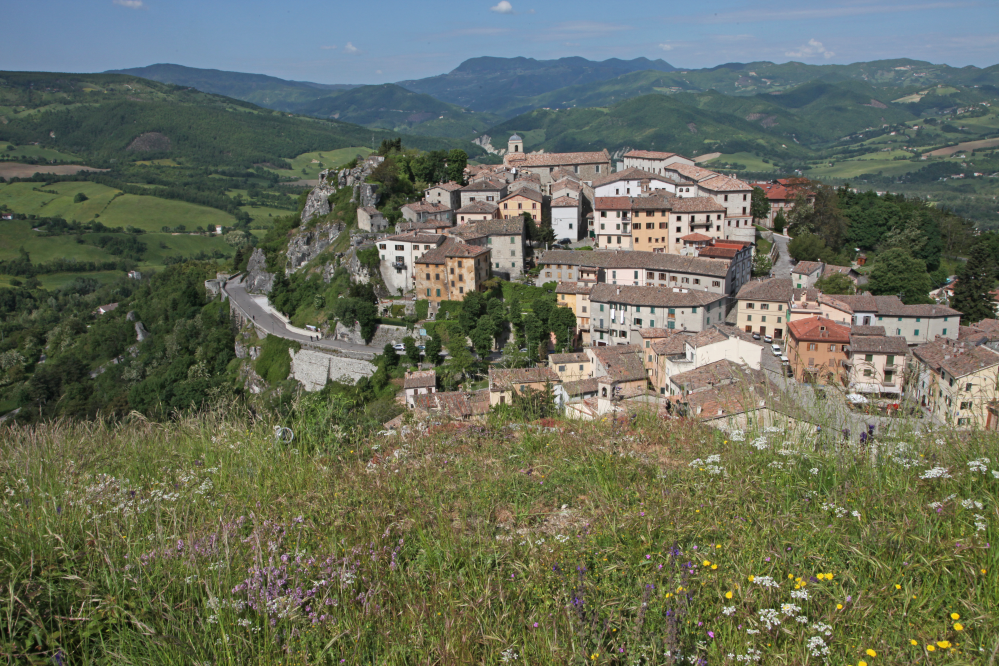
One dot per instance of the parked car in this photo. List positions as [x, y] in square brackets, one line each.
[776, 350]
[767, 339]
[399, 347]
[565, 241]
[756, 336]
[784, 359]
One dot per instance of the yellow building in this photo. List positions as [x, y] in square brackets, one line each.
[576, 296]
[524, 200]
[956, 381]
[452, 270]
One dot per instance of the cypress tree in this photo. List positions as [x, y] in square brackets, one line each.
[973, 291]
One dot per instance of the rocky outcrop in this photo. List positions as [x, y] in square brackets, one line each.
[307, 244]
[313, 368]
[258, 280]
[359, 273]
[486, 142]
[383, 335]
[318, 201]
[141, 333]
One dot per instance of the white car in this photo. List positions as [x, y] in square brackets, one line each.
[775, 348]
[399, 347]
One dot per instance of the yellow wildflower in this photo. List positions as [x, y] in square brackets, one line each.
[728, 595]
[752, 578]
[930, 648]
[839, 606]
[958, 626]
[955, 616]
[714, 566]
[914, 641]
[897, 586]
[706, 563]
[943, 644]
[871, 653]
[861, 663]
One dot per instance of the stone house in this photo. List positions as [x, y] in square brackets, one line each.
[618, 370]
[697, 215]
[781, 194]
[874, 362]
[612, 218]
[806, 273]
[457, 405]
[618, 313]
[816, 348]
[504, 383]
[632, 182]
[571, 367]
[524, 200]
[670, 352]
[477, 211]
[370, 219]
[422, 211]
[653, 161]
[421, 382]
[452, 270]
[490, 190]
[567, 187]
[956, 380]
[446, 194]
[585, 165]
[918, 324]
[506, 238]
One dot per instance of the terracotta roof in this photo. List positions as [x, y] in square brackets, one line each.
[713, 252]
[696, 205]
[707, 376]
[830, 269]
[573, 288]
[567, 184]
[892, 306]
[525, 192]
[783, 190]
[807, 267]
[370, 210]
[878, 344]
[613, 203]
[582, 387]
[558, 159]
[654, 332]
[850, 302]
[574, 357]
[774, 289]
[478, 207]
[867, 330]
[708, 336]
[565, 174]
[504, 380]
[954, 357]
[656, 261]
[416, 238]
[511, 227]
[485, 184]
[631, 173]
[652, 296]
[420, 379]
[818, 329]
[653, 202]
[565, 202]
[695, 238]
[725, 184]
[651, 154]
[450, 186]
[465, 250]
[524, 184]
[694, 173]
[422, 226]
[623, 363]
[437, 254]
[427, 207]
[674, 345]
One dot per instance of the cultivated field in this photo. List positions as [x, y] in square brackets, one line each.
[965, 146]
[650, 542]
[10, 170]
[325, 159]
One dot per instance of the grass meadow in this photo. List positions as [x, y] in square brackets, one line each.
[36, 151]
[657, 541]
[325, 159]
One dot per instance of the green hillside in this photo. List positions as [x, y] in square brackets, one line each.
[109, 118]
[394, 108]
[267, 91]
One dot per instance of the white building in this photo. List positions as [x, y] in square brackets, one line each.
[397, 254]
[632, 182]
[653, 161]
[566, 219]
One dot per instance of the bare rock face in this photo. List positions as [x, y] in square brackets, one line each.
[140, 331]
[318, 201]
[258, 280]
[307, 244]
[364, 194]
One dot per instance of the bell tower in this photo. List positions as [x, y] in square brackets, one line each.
[515, 145]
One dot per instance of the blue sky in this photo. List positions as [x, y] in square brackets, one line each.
[333, 41]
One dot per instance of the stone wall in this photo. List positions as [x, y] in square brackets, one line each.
[313, 368]
[384, 334]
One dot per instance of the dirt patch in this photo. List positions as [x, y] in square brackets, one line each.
[707, 157]
[18, 170]
[967, 145]
[305, 183]
[150, 141]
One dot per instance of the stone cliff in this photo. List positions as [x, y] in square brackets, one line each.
[306, 244]
[258, 280]
[331, 181]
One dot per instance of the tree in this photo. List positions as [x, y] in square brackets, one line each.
[472, 308]
[367, 317]
[760, 205]
[459, 364]
[779, 222]
[898, 273]
[391, 358]
[80, 197]
[835, 283]
[513, 357]
[562, 322]
[762, 265]
[432, 352]
[482, 336]
[806, 247]
[412, 351]
[973, 291]
[457, 160]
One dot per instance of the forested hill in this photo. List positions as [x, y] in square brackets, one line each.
[108, 118]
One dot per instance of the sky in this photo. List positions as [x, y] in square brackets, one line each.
[332, 41]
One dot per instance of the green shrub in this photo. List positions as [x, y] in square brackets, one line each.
[274, 362]
[422, 309]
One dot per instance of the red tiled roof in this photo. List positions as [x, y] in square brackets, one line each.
[651, 154]
[613, 203]
[565, 202]
[695, 237]
[717, 252]
[557, 159]
[819, 329]
[696, 205]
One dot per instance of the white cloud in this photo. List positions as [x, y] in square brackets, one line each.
[328, 48]
[666, 47]
[503, 7]
[131, 4]
[812, 49]
[350, 48]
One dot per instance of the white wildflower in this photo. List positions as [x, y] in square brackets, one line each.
[979, 465]
[760, 443]
[935, 473]
[814, 471]
[789, 609]
[855, 514]
[508, 655]
[803, 619]
[737, 436]
[971, 504]
[980, 524]
[817, 647]
[765, 581]
[769, 618]
[728, 610]
[822, 628]
[799, 594]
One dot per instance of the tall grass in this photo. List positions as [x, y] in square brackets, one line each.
[649, 542]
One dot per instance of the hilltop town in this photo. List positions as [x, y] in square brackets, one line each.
[682, 295]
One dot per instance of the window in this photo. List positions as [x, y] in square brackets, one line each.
[437, 276]
[764, 306]
[636, 275]
[916, 332]
[867, 372]
[513, 253]
[461, 290]
[780, 307]
[716, 283]
[561, 368]
[763, 318]
[832, 348]
[601, 309]
[428, 292]
[869, 358]
[652, 323]
[750, 306]
[963, 422]
[697, 281]
[459, 263]
[967, 387]
[945, 331]
[382, 246]
[438, 293]
[693, 310]
[812, 347]
[749, 317]
[891, 360]
[966, 405]
[399, 248]
[918, 319]
[506, 206]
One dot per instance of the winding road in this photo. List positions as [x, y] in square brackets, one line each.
[272, 322]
